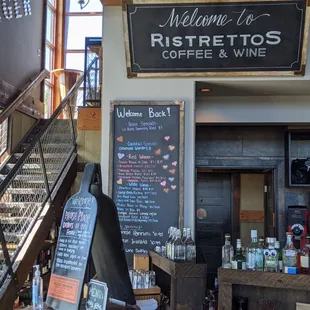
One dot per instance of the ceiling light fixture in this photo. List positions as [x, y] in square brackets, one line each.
[205, 90]
[82, 4]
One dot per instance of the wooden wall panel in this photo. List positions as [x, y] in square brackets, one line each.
[21, 123]
[89, 119]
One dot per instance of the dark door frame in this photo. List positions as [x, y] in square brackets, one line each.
[229, 166]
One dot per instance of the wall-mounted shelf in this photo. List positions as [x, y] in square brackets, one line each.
[297, 151]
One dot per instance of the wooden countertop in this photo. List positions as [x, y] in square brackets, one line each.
[178, 269]
[264, 279]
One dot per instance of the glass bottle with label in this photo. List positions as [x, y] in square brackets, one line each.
[304, 257]
[251, 251]
[270, 256]
[259, 258]
[239, 260]
[227, 252]
[280, 261]
[168, 242]
[184, 235]
[190, 246]
[289, 255]
[178, 247]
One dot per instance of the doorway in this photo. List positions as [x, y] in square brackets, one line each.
[235, 202]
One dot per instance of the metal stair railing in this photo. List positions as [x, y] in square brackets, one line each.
[29, 185]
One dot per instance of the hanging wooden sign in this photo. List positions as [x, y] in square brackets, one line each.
[199, 38]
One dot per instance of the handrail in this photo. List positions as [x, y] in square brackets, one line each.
[23, 96]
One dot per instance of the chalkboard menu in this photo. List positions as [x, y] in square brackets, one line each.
[251, 37]
[97, 295]
[147, 171]
[73, 247]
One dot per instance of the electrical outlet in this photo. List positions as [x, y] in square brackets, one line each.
[38, 52]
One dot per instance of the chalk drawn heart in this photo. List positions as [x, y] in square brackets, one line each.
[172, 171]
[119, 181]
[120, 139]
[163, 183]
[174, 163]
[157, 152]
[165, 166]
[166, 157]
[171, 179]
[167, 138]
[173, 187]
[171, 147]
[120, 155]
[166, 190]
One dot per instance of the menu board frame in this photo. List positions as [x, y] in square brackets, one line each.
[183, 72]
[180, 104]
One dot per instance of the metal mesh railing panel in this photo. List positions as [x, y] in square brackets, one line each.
[21, 203]
[57, 142]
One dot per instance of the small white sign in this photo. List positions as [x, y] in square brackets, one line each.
[97, 295]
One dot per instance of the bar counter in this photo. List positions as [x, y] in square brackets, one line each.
[264, 290]
[183, 282]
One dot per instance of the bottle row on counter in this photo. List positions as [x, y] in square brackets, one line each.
[142, 279]
[266, 255]
[179, 247]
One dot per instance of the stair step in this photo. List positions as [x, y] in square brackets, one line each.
[12, 236]
[37, 166]
[37, 156]
[10, 246]
[49, 145]
[25, 191]
[2, 256]
[30, 177]
[14, 220]
[11, 205]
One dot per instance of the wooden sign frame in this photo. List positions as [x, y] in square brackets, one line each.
[181, 146]
[131, 74]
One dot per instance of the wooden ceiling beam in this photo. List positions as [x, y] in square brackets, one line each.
[111, 2]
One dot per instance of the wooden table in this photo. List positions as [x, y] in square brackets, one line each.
[279, 290]
[185, 283]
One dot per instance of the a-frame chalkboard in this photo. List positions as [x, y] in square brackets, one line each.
[73, 247]
[146, 171]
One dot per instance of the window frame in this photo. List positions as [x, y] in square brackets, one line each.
[77, 14]
[52, 47]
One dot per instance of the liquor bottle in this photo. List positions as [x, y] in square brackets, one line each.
[304, 257]
[270, 256]
[168, 242]
[239, 260]
[251, 251]
[178, 248]
[184, 235]
[190, 246]
[227, 252]
[259, 259]
[280, 261]
[289, 255]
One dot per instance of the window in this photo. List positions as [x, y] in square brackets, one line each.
[79, 25]
[49, 56]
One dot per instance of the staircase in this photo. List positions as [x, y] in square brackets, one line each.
[34, 183]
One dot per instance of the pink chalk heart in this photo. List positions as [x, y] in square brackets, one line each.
[120, 155]
[167, 138]
[174, 163]
[163, 183]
